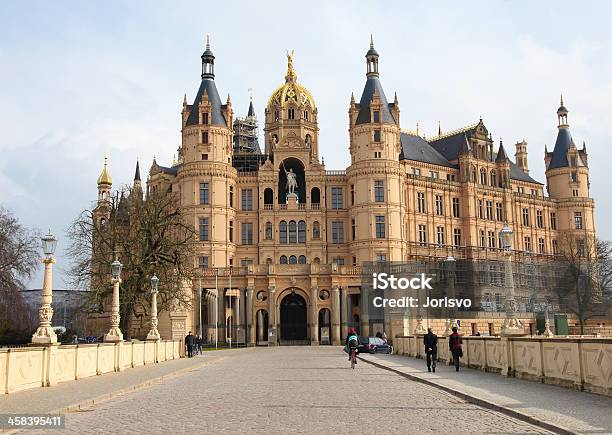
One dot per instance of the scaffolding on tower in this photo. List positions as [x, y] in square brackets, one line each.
[247, 154]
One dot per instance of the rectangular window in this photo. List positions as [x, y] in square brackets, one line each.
[491, 238]
[482, 239]
[456, 210]
[457, 237]
[527, 243]
[376, 135]
[203, 193]
[204, 229]
[205, 118]
[337, 202]
[205, 137]
[231, 231]
[439, 205]
[578, 220]
[353, 229]
[247, 233]
[480, 213]
[247, 199]
[499, 211]
[352, 194]
[337, 232]
[422, 235]
[231, 196]
[376, 116]
[380, 227]
[489, 206]
[574, 176]
[440, 236]
[203, 262]
[379, 191]
[555, 246]
[541, 246]
[339, 261]
[434, 174]
[421, 202]
[553, 221]
[580, 250]
[539, 219]
[381, 258]
[245, 262]
[525, 217]
[416, 171]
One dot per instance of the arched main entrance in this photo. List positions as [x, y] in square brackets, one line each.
[293, 320]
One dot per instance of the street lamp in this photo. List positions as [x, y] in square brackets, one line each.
[45, 334]
[451, 322]
[512, 326]
[114, 334]
[154, 333]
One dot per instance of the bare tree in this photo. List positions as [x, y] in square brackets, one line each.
[148, 236]
[585, 284]
[19, 258]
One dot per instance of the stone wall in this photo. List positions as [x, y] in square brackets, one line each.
[31, 367]
[575, 362]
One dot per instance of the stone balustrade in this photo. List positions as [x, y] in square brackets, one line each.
[30, 367]
[581, 363]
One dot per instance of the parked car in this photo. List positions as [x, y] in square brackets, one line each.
[373, 345]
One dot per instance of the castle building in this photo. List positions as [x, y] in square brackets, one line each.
[282, 239]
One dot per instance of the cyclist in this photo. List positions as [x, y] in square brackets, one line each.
[352, 342]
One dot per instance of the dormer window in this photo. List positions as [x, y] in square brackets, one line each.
[205, 118]
[573, 161]
[376, 116]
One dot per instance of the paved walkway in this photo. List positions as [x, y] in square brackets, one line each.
[577, 411]
[290, 390]
[71, 393]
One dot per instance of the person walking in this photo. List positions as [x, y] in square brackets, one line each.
[189, 341]
[430, 341]
[454, 344]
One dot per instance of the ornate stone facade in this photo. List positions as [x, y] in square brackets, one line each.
[287, 267]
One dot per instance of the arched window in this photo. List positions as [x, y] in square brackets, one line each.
[493, 178]
[283, 259]
[268, 196]
[316, 230]
[483, 176]
[306, 115]
[268, 260]
[302, 259]
[315, 195]
[291, 113]
[292, 232]
[283, 231]
[316, 260]
[301, 232]
[268, 230]
[293, 259]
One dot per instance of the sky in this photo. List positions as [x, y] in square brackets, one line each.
[81, 79]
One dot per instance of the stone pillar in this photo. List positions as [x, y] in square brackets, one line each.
[344, 315]
[336, 340]
[364, 309]
[314, 313]
[272, 329]
[221, 324]
[45, 334]
[115, 334]
[249, 316]
[261, 332]
[154, 333]
[241, 305]
[211, 309]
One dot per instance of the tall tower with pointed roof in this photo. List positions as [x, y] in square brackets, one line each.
[567, 179]
[105, 183]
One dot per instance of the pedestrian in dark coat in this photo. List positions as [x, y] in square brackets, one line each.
[430, 341]
[454, 345]
[189, 342]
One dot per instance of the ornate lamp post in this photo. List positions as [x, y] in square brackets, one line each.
[154, 333]
[451, 322]
[115, 334]
[45, 334]
[511, 324]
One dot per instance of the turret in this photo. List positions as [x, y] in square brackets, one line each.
[137, 180]
[521, 156]
[105, 183]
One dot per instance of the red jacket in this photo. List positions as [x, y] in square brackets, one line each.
[454, 341]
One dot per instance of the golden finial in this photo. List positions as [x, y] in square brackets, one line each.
[290, 70]
[105, 177]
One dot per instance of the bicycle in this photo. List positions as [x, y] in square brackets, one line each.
[353, 351]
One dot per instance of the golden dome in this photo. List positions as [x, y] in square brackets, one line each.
[291, 90]
[105, 177]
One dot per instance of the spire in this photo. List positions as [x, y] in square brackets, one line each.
[105, 178]
[583, 146]
[185, 100]
[208, 62]
[371, 41]
[439, 129]
[562, 114]
[501, 153]
[251, 112]
[352, 98]
[137, 174]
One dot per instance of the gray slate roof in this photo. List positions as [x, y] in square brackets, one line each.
[450, 146]
[216, 118]
[363, 117]
[559, 154]
[416, 148]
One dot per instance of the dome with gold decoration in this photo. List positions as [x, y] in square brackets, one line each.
[105, 177]
[291, 91]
